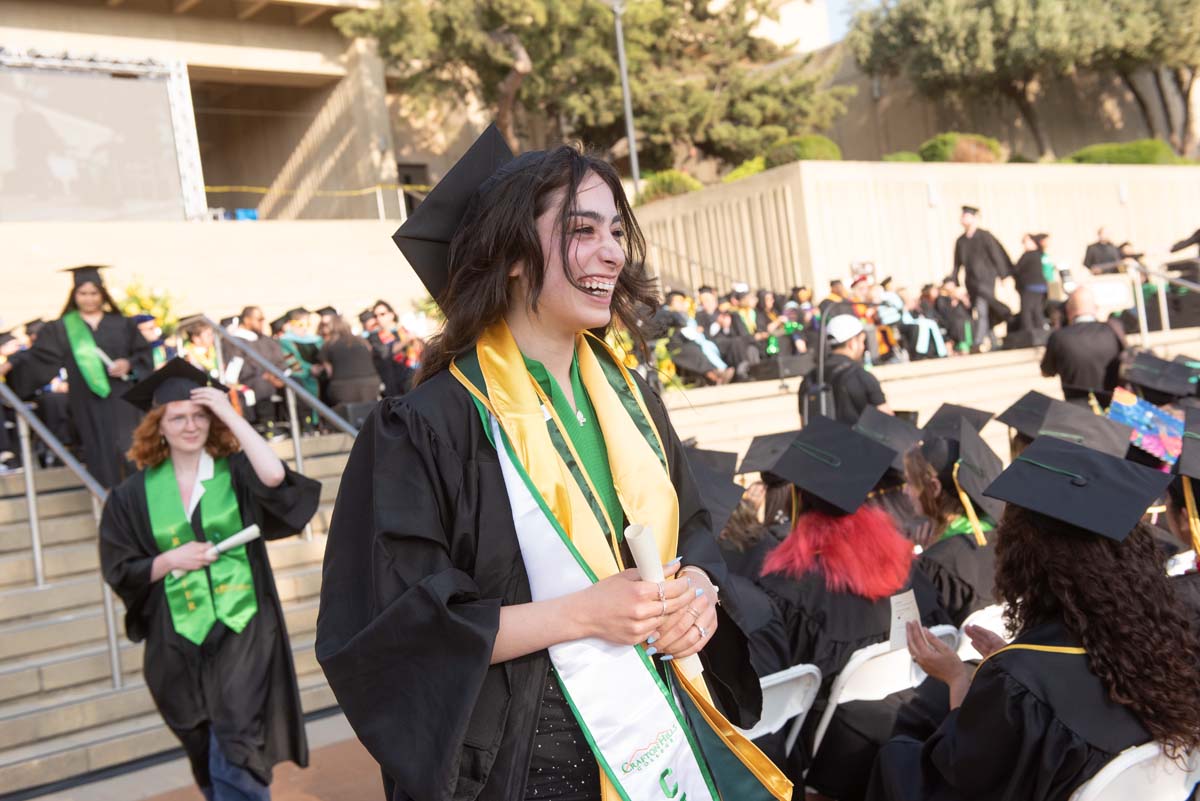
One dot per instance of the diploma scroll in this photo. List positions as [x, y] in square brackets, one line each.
[645, 554]
[248, 534]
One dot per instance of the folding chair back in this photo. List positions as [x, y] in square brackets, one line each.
[1143, 772]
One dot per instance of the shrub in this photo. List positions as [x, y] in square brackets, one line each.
[1142, 151]
[1020, 158]
[667, 184]
[954, 146]
[902, 155]
[812, 147]
[747, 168]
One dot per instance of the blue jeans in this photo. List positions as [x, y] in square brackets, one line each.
[981, 313]
[230, 782]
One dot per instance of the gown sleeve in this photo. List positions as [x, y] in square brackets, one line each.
[403, 634]
[124, 559]
[33, 368]
[280, 511]
[141, 355]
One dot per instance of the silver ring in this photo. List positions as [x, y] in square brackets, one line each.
[703, 631]
[662, 591]
[695, 614]
[664, 609]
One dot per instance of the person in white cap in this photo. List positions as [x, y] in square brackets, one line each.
[847, 386]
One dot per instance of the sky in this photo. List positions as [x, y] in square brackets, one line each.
[839, 17]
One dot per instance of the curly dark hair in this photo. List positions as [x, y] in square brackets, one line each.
[1116, 599]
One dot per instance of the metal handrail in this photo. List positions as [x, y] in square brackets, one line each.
[26, 420]
[1139, 300]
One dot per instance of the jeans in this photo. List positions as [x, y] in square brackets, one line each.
[1033, 304]
[230, 782]
[980, 305]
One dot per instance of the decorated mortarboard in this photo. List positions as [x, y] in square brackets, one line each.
[896, 433]
[713, 471]
[1081, 425]
[835, 463]
[945, 420]
[174, 381]
[962, 460]
[1026, 415]
[425, 236]
[86, 274]
[1080, 486]
[1156, 431]
[1164, 380]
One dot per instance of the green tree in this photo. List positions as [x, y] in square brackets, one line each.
[980, 48]
[701, 81]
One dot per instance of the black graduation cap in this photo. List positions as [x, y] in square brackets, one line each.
[970, 209]
[713, 471]
[278, 323]
[6, 337]
[1189, 458]
[834, 462]
[1080, 486]
[1026, 414]
[977, 465]
[36, 322]
[1081, 425]
[425, 236]
[764, 452]
[228, 321]
[86, 274]
[327, 311]
[366, 316]
[945, 420]
[898, 434]
[1165, 380]
[174, 381]
[1193, 368]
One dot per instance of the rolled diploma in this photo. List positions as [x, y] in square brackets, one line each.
[645, 556]
[248, 534]
[104, 358]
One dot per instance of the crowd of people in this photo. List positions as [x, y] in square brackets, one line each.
[533, 589]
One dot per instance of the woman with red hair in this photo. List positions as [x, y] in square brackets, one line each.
[831, 581]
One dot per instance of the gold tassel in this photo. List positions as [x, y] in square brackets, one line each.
[1095, 404]
[1189, 499]
[969, 508]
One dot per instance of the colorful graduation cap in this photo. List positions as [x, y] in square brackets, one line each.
[1026, 415]
[964, 461]
[713, 471]
[1156, 431]
[1080, 486]
[1081, 425]
[1161, 381]
[425, 236]
[945, 420]
[86, 274]
[896, 433]
[834, 462]
[174, 381]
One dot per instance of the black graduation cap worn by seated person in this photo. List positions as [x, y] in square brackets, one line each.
[713, 471]
[764, 453]
[327, 311]
[898, 434]
[425, 236]
[945, 420]
[1081, 425]
[86, 274]
[1169, 380]
[835, 463]
[977, 465]
[1026, 415]
[1080, 486]
[174, 381]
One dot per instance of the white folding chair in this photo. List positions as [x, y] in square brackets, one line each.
[991, 618]
[1143, 772]
[787, 694]
[875, 672]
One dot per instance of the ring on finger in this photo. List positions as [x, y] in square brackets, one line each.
[662, 591]
[703, 631]
[695, 614]
[664, 609]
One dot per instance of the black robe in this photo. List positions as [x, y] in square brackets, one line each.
[242, 686]
[962, 572]
[105, 425]
[1033, 727]
[825, 629]
[422, 555]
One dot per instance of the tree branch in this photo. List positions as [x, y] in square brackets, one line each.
[507, 89]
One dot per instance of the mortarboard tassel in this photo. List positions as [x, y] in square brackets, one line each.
[1095, 404]
[1189, 500]
[980, 540]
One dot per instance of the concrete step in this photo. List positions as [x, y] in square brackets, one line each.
[70, 501]
[56, 478]
[15, 537]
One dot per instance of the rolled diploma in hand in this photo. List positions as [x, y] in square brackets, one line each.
[108, 363]
[247, 534]
[645, 556]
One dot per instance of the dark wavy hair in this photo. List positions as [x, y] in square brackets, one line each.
[503, 232]
[107, 304]
[1116, 599]
[939, 504]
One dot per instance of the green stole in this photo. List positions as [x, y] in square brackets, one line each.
[194, 609]
[962, 525]
[83, 348]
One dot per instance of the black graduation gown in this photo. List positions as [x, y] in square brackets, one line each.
[962, 572]
[241, 685]
[105, 425]
[825, 629]
[1033, 727]
[422, 554]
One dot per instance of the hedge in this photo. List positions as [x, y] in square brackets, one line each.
[747, 168]
[1141, 151]
[902, 155]
[667, 184]
[812, 147]
[955, 146]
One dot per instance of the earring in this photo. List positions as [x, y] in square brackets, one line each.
[162, 440]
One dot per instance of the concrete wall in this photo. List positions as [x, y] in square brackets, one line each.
[804, 223]
[212, 267]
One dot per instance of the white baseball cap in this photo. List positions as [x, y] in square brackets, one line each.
[843, 327]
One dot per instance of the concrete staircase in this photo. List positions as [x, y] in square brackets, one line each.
[59, 714]
[60, 717]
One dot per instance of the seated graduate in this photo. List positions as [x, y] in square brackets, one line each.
[889, 494]
[217, 658]
[480, 622]
[946, 479]
[1157, 380]
[1087, 599]
[1182, 516]
[831, 581]
[1024, 420]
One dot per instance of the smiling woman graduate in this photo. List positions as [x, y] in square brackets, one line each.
[479, 623]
